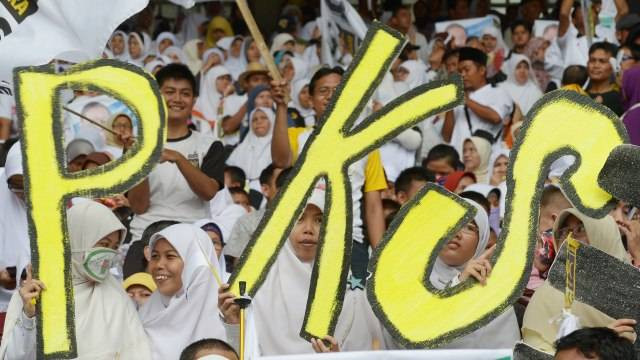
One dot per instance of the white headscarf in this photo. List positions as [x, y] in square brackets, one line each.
[163, 36]
[254, 153]
[495, 155]
[176, 51]
[280, 303]
[151, 65]
[125, 51]
[298, 85]
[106, 322]
[209, 98]
[524, 95]
[15, 249]
[145, 45]
[213, 50]
[300, 68]
[190, 50]
[236, 65]
[442, 274]
[174, 322]
[494, 32]
[279, 41]
[417, 73]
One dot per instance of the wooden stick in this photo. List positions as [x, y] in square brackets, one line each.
[257, 37]
[91, 121]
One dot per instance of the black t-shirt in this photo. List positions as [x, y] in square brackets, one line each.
[611, 99]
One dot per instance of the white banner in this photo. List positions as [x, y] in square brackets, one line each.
[339, 23]
[502, 354]
[32, 32]
[460, 30]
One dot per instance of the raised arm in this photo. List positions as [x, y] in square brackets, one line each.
[281, 155]
[564, 17]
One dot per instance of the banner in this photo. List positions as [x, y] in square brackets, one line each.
[33, 32]
[462, 29]
[340, 24]
[501, 354]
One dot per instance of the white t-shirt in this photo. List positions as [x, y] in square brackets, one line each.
[171, 198]
[492, 97]
[8, 107]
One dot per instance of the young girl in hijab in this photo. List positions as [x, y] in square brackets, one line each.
[521, 84]
[236, 61]
[293, 69]
[499, 164]
[164, 40]
[214, 89]
[193, 51]
[106, 323]
[139, 45]
[210, 58]
[117, 45]
[475, 156]
[495, 48]
[280, 303]
[538, 329]
[120, 123]
[218, 28]
[176, 55]
[184, 308]
[301, 99]
[253, 154]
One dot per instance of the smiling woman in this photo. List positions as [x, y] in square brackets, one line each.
[179, 264]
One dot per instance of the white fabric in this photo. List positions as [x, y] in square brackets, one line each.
[15, 248]
[177, 52]
[280, 303]
[331, 22]
[164, 36]
[492, 97]
[236, 65]
[170, 194]
[279, 41]
[417, 73]
[209, 98]
[107, 324]
[172, 323]
[298, 85]
[524, 95]
[493, 31]
[53, 27]
[124, 56]
[575, 50]
[145, 46]
[300, 68]
[253, 154]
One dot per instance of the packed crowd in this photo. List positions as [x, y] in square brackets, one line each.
[140, 268]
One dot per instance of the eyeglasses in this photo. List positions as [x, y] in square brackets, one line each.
[577, 231]
[326, 91]
[469, 229]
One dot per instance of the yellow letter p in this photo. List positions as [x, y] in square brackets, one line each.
[49, 185]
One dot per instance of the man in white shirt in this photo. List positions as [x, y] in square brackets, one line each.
[485, 106]
[191, 169]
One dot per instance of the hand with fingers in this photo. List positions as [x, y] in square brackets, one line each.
[478, 268]
[230, 310]
[279, 92]
[631, 230]
[320, 347]
[29, 292]
[624, 328]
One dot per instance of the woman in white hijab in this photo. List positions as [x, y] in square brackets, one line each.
[413, 73]
[164, 40]
[106, 322]
[138, 45]
[118, 45]
[293, 69]
[236, 60]
[253, 154]
[15, 249]
[461, 258]
[191, 51]
[475, 156]
[280, 303]
[175, 54]
[282, 41]
[301, 99]
[213, 89]
[184, 307]
[521, 84]
[495, 48]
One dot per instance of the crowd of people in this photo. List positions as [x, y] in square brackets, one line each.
[141, 261]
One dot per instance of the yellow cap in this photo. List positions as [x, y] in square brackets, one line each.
[142, 279]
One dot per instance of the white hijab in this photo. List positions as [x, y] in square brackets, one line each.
[253, 154]
[145, 45]
[279, 307]
[106, 322]
[502, 332]
[300, 68]
[209, 98]
[442, 273]
[492, 31]
[236, 65]
[124, 56]
[176, 51]
[15, 248]
[172, 323]
[298, 85]
[524, 95]
[163, 36]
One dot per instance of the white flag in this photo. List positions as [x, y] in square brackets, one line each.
[340, 23]
[32, 32]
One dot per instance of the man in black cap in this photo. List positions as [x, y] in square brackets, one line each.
[485, 107]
